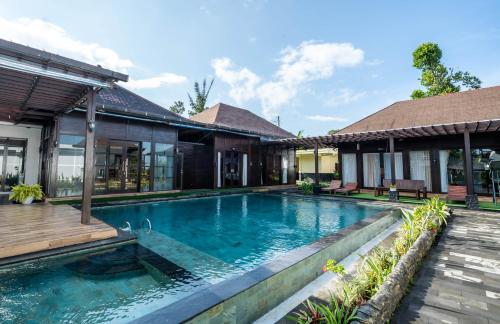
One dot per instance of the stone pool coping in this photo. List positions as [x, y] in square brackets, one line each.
[246, 297]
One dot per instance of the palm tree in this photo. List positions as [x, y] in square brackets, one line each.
[200, 97]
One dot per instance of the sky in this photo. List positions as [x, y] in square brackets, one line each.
[318, 65]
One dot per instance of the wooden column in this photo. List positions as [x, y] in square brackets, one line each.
[471, 200]
[316, 165]
[88, 167]
[393, 160]
[468, 163]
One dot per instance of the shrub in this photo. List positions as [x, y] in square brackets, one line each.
[21, 192]
[306, 187]
[377, 265]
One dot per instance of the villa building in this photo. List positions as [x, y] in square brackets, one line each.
[139, 146]
[452, 139]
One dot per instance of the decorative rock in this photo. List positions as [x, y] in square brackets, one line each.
[381, 306]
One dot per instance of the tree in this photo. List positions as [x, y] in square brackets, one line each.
[333, 131]
[200, 97]
[436, 78]
[177, 107]
[300, 134]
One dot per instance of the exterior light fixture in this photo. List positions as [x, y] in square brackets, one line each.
[91, 125]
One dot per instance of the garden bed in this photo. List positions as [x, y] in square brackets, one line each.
[372, 295]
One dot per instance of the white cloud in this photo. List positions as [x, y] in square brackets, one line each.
[308, 62]
[50, 37]
[44, 35]
[374, 62]
[323, 118]
[242, 81]
[342, 97]
[155, 82]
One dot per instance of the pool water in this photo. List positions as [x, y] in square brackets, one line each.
[191, 244]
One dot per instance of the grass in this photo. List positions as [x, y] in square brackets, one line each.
[184, 193]
[485, 205]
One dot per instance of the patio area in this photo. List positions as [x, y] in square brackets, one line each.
[459, 280]
[40, 227]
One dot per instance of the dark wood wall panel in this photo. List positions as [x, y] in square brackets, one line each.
[198, 166]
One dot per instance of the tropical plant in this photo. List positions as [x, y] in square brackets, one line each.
[306, 187]
[436, 78]
[310, 314]
[177, 107]
[198, 104]
[377, 265]
[338, 312]
[300, 133]
[22, 192]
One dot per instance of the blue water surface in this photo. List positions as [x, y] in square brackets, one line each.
[191, 244]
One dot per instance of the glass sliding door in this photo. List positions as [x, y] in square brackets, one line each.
[115, 167]
[398, 157]
[145, 166]
[12, 159]
[100, 179]
[371, 169]
[131, 167]
[451, 168]
[420, 167]
[349, 168]
[70, 165]
[164, 167]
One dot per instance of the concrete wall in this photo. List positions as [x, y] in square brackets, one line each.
[32, 159]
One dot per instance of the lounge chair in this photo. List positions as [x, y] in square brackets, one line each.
[333, 187]
[456, 193]
[348, 188]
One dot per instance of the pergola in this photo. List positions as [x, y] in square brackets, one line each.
[35, 86]
[464, 128]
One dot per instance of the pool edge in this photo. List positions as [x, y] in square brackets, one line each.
[246, 297]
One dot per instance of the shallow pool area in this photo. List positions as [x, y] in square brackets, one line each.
[183, 247]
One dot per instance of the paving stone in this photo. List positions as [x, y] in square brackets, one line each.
[452, 284]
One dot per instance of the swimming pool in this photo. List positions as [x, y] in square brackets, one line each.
[190, 245]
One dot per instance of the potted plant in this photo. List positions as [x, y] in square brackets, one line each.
[393, 192]
[25, 194]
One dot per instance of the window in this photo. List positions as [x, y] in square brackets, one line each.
[420, 167]
[100, 166]
[70, 165]
[484, 165]
[244, 173]
[284, 169]
[164, 167]
[349, 173]
[145, 166]
[398, 160]
[371, 169]
[451, 168]
[219, 166]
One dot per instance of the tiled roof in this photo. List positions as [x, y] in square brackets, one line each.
[122, 100]
[238, 118]
[466, 106]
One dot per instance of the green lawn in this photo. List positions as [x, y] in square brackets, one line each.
[486, 205]
[184, 193]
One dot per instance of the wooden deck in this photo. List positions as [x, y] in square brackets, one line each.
[39, 227]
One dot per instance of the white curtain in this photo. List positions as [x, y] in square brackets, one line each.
[284, 169]
[398, 157]
[371, 169]
[420, 167]
[219, 175]
[443, 169]
[245, 170]
[349, 167]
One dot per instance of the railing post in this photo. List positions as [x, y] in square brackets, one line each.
[88, 167]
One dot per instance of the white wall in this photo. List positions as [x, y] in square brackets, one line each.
[32, 159]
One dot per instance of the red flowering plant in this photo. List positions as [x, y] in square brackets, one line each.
[332, 266]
